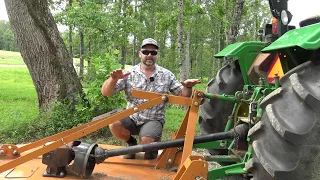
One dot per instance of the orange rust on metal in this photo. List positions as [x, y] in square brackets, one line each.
[179, 100]
[22, 171]
[194, 167]
[167, 157]
[100, 124]
[8, 151]
[191, 126]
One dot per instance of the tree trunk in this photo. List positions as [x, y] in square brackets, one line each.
[175, 67]
[227, 12]
[43, 51]
[183, 70]
[70, 35]
[134, 54]
[70, 42]
[123, 8]
[200, 62]
[256, 23]
[89, 52]
[213, 63]
[236, 20]
[81, 49]
[220, 45]
[81, 53]
[188, 62]
[124, 56]
[215, 46]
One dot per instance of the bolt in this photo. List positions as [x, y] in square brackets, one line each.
[244, 169]
[15, 152]
[2, 152]
[164, 98]
[170, 161]
[135, 109]
[199, 178]
[196, 104]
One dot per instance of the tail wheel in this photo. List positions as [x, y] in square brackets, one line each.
[286, 141]
[214, 113]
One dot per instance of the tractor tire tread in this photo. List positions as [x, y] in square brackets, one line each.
[286, 140]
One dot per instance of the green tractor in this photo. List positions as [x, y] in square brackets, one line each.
[276, 87]
[271, 129]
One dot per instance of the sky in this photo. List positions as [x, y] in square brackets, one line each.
[298, 8]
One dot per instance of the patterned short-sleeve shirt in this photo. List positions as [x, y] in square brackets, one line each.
[163, 82]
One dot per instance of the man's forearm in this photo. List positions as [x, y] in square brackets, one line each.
[186, 92]
[108, 87]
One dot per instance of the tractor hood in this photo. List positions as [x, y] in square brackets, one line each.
[239, 49]
[306, 38]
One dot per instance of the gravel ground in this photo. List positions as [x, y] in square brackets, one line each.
[212, 164]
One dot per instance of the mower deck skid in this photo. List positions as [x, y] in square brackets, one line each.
[111, 168]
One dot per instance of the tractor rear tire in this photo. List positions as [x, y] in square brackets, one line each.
[214, 113]
[286, 141]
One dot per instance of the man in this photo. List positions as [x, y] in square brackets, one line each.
[146, 76]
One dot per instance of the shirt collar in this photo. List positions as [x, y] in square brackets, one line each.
[157, 69]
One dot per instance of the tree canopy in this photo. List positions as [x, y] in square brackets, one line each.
[123, 24]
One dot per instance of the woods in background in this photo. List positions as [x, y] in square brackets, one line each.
[189, 32]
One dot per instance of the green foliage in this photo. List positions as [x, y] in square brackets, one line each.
[102, 65]
[7, 41]
[91, 103]
[21, 124]
[256, 15]
[116, 24]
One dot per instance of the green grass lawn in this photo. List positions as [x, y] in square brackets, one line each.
[17, 98]
[10, 58]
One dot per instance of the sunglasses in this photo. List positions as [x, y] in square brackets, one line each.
[147, 52]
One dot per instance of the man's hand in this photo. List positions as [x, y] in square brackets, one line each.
[109, 85]
[118, 74]
[189, 83]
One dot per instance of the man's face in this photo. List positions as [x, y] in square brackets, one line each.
[148, 55]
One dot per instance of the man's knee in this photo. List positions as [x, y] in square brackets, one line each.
[116, 126]
[147, 140]
[151, 132]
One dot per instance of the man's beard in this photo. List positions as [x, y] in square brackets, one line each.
[148, 62]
